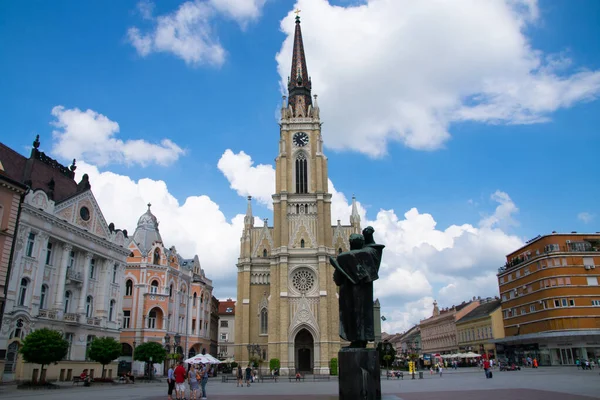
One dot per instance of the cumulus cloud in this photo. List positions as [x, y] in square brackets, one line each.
[585, 217]
[188, 32]
[90, 135]
[406, 70]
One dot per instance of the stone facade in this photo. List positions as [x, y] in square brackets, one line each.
[67, 264]
[478, 329]
[287, 301]
[167, 298]
[438, 333]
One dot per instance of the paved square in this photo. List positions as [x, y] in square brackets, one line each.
[552, 383]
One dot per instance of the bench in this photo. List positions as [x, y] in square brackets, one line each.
[293, 378]
[77, 380]
[225, 378]
[268, 378]
[397, 375]
[321, 377]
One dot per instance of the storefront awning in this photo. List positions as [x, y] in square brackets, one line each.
[591, 334]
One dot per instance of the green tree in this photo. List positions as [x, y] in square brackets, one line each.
[274, 363]
[103, 350]
[333, 366]
[44, 346]
[146, 351]
[387, 353]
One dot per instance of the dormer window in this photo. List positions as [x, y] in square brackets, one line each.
[156, 256]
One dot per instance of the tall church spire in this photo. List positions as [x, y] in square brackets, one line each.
[249, 218]
[355, 217]
[299, 85]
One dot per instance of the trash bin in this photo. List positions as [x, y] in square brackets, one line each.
[420, 374]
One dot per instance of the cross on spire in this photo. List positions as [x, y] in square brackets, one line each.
[297, 12]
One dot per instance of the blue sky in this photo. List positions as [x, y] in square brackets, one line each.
[418, 113]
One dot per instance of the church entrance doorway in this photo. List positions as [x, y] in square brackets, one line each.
[304, 351]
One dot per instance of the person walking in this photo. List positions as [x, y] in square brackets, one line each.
[179, 374]
[486, 368]
[193, 381]
[248, 375]
[240, 376]
[170, 382]
[204, 379]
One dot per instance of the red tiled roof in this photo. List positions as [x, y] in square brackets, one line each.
[226, 304]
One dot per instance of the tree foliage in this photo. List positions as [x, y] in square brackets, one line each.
[386, 349]
[144, 351]
[333, 366]
[274, 363]
[103, 350]
[44, 346]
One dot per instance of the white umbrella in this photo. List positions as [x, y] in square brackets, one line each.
[202, 359]
[472, 355]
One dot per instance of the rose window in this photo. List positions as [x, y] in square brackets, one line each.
[303, 280]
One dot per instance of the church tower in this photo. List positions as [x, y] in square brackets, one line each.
[287, 304]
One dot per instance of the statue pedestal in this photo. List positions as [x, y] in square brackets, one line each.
[359, 374]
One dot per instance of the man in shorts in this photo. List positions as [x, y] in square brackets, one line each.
[179, 374]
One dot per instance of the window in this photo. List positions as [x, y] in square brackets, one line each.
[171, 290]
[504, 297]
[564, 261]
[71, 259]
[111, 310]
[152, 319]
[194, 299]
[67, 301]
[89, 307]
[556, 303]
[90, 339]
[128, 287]
[114, 277]
[571, 303]
[588, 261]
[501, 279]
[592, 281]
[156, 256]
[224, 324]
[43, 297]
[301, 174]
[154, 287]
[126, 319]
[265, 252]
[229, 310]
[564, 302]
[92, 268]
[567, 281]
[596, 303]
[302, 243]
[49, 253]
[526, 270]
[560, 281]
[264, 323]
[518, 274]
[30, 244]
[223, 337]
[23, 291]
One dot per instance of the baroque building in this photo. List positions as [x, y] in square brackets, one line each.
[287, 303]
[166, 298]
[478, 329]
[66, 267]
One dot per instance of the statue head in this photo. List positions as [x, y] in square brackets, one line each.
[357, 241]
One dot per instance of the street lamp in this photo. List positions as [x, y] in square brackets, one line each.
[177, 339]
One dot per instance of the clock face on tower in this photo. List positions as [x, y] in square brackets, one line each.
[300, 139]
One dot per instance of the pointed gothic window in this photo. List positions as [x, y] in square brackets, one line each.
[302, 243]
[301, 174]
[340, 250]
[128, 287]
[265, 252]
[156, 256]
[264, 321]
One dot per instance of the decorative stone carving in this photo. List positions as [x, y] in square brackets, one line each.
[303, 280]
[304, 311]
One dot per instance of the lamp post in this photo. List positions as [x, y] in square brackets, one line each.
[168, 349]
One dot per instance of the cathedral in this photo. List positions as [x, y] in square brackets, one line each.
[287, 302]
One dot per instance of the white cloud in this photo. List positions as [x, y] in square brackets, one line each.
[585, 217]
[90, 135]
[188, 31]
[406, 70]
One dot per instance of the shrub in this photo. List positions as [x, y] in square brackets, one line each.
[274, 364]
[333, 366]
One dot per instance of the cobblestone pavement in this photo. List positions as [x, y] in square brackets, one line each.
[543, 384]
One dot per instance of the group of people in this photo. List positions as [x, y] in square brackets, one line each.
[586, 364]
[248, 374]
[197, 377]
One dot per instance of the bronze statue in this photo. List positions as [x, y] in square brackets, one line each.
[355, 271]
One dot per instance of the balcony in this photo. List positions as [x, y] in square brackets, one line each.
[94, 321]
[71, 317]
[74, 276]
[48, 314]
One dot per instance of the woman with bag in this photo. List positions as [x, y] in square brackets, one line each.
[203, 379]
[193, 381]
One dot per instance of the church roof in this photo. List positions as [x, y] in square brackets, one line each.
[147, 232]
[299, 84]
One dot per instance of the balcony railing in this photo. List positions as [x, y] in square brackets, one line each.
[579, 246]
[74, 276]
[94, 321]
[70, 317]
[48, 314]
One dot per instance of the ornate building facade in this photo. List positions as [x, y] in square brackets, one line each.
[166, 298]
[287, 304]
[66, 267]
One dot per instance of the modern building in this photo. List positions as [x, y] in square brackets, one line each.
[67, 266]
[438, 332]
[287, 301]
[226, 329]
[551, 299]
[12, 194]
[478, 329]
[166, 298]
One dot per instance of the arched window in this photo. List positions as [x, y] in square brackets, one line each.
[302, 243]
[152, 319]
[182, 295]
[154, 286]
[111, 310]
[340, 250]
[301, 174]
[128, 287]
[156, 256]
[43, 297]
[265, 254]
[115, 270]
[194, 300]
[23, 291]
[67, 301]
[171, 290]
[264, 321]
[89, 306]
[92, 268]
